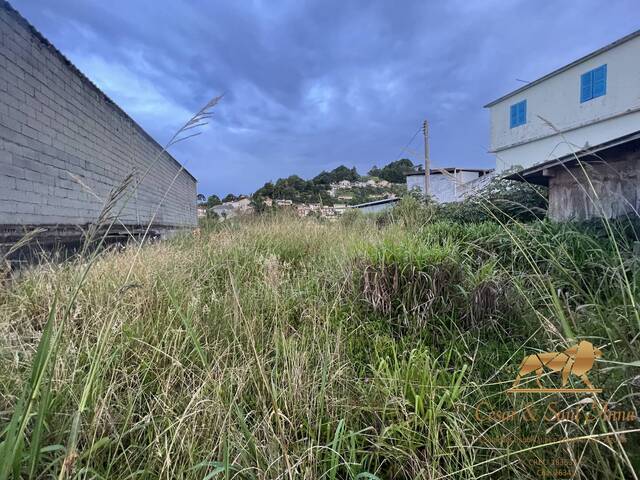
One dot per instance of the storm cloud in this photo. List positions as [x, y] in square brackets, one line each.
[312, 85]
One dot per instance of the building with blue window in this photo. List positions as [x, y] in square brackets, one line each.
[585, 113]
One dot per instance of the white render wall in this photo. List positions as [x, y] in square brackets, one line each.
[445, 187]
[415, 182]
[54, 123]
[557, 100]
[556, 146]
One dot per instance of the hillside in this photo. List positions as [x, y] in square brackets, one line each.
[341, 185]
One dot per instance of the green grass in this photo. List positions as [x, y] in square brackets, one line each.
[278, 347]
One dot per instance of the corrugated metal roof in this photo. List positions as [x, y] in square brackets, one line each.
[436, 171]
[376, 202]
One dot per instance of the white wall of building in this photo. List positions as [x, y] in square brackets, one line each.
[557, 100]
[415, 182]
[555, 146]
[445, 186]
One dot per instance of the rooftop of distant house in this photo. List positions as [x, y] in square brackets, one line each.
[439, 171]
[376, 202]
[595, 53]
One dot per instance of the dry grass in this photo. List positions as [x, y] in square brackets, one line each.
[279, 347]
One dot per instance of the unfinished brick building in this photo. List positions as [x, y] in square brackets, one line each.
[64, 145]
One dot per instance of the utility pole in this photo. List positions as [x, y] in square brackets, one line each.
[427, 161]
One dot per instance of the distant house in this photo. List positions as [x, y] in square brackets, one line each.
[305, 210]
[339, 208]
[579, 121]
[224, 211]
[302, 210]
[447, 184]
[233, 209]
[324, 211]
[327, 211]
[242, 205]
[202, 211]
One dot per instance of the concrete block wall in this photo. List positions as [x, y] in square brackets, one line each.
[54, 123]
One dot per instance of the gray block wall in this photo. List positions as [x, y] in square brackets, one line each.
[53, 123]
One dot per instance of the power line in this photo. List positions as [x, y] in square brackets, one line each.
[409, 142]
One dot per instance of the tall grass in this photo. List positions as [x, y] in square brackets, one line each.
[278, 347]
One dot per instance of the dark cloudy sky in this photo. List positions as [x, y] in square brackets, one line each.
[311, 85]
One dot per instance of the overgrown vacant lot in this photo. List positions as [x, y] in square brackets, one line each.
[283, 348]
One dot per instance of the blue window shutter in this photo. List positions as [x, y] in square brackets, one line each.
[600, 81]
[518, 114]
[593, 83]
[586, 86]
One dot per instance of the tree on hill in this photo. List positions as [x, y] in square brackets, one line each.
[296, 189]
[337, 175]
[395, 171]
[265, 191]
[230, 198]
[258, 204]
[316, 190]
[213, 200]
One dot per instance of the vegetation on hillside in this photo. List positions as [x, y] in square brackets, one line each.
[296, 189]
[370, 348]
[316, 190]
[368, 193]
[336, 175]
[212, 201]
[395, 172]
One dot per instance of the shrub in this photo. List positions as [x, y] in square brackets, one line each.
[418, 285]
[503, 201]
[352, 217]
[410, 212]
[408, 277]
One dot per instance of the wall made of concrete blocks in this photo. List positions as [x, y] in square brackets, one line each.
[64, 145]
